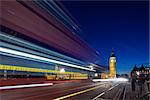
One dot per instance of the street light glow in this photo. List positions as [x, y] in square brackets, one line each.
[62, 70]
[96, 74]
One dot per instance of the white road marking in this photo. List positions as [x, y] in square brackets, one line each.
[111, 88]
[116, 85]
[98, 96]
[104, 92]
[24, 86]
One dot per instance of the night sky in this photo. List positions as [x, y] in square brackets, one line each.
[123, 26]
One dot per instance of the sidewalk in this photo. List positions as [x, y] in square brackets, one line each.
[135, 95]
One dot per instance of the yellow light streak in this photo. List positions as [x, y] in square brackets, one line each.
[77, 93]
[20, 68]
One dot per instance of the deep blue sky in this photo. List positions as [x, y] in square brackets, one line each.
[123, 26]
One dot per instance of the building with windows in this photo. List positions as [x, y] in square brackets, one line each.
[143, 69]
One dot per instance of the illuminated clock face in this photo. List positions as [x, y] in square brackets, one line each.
[112, 60]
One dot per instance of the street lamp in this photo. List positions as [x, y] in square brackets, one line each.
[138, 73]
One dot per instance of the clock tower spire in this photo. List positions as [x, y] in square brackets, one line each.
[112, 65]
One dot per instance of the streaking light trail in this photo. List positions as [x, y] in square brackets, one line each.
[24, 86]
[115, 80]
[18, 53]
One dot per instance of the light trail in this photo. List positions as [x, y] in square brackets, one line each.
[107, 80]
[18, 53]
[24, 86]
[9, 38]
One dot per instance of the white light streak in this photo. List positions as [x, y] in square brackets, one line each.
[107, 80]
[24, 86]
[121, 79]
[15, 52]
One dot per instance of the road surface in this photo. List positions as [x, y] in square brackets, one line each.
[72, 91]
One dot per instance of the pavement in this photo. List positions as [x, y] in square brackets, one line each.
[137, 94]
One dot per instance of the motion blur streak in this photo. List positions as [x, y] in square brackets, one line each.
[24, 86]
[39, 58]
[115, 79]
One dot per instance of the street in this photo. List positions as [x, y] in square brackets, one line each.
[72, 90]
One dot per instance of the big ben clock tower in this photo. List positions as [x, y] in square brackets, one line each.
[112, 65]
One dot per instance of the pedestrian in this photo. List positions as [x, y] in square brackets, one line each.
[148, 81]
[141, 82]
[133, 82]
[133, 85]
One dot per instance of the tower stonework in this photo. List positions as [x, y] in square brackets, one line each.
[112, 64]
